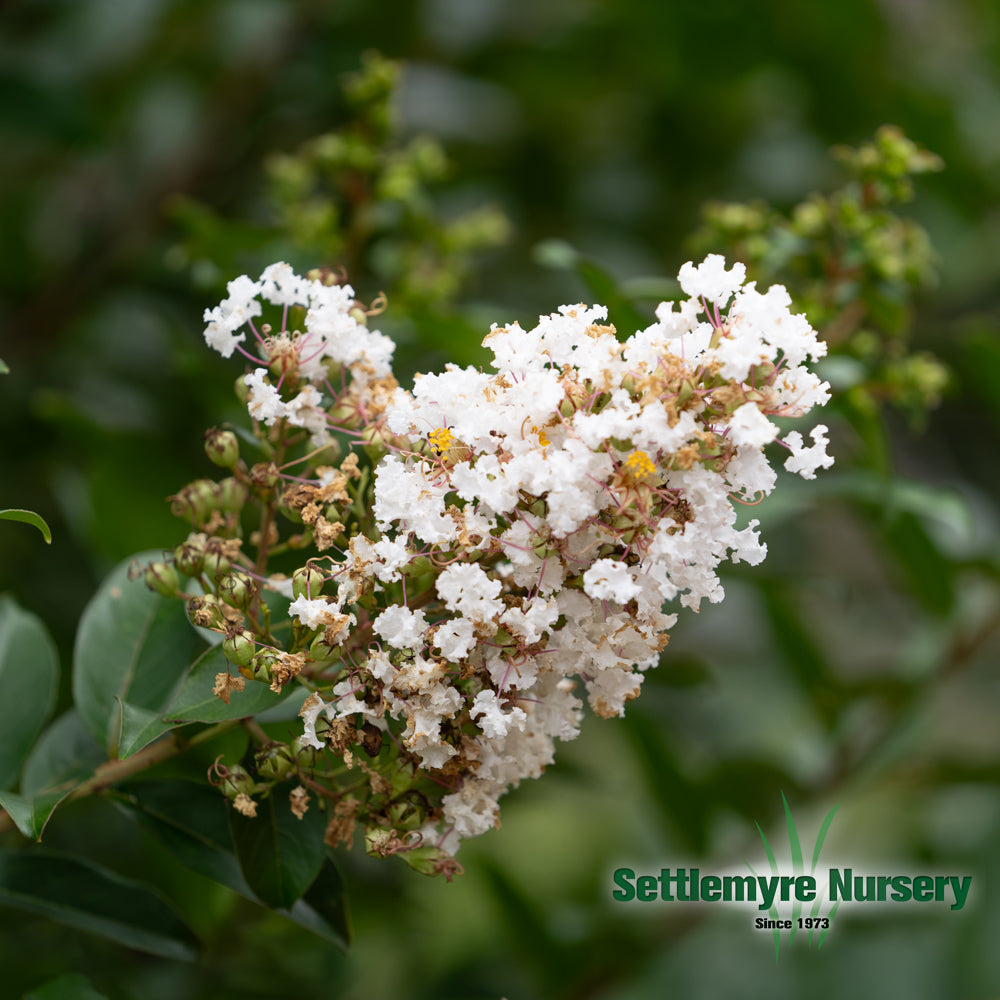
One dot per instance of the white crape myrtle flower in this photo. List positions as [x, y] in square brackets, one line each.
[400, 627]
[533, 529]
[805, 461]
[710, 280]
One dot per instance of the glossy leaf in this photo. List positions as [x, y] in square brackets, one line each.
[280, 856]
[190, 821]
[132, 644]
[90, 898]
[323, 908]
[29, 679]
[28, 517]
[195, 701]
[30, 815]
[138, 728]
[65, 755]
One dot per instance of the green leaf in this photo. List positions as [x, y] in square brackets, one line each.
[30, 815]
[90, 898]
[4, 370]
[195, 702]
[69, 987]
[132, 644]
[802, 655]
[29, 679]
[280, 856]
[65, 755]
[190, 820]
[27, 516]
[138, 728]
[927, 573]
[323, 908]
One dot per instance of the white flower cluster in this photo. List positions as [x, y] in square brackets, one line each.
[333, 331]
[552, 507]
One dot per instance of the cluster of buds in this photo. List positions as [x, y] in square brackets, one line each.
[494, 547]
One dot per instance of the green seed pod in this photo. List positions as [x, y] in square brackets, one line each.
[265, 476]
[417, 567]
[261, 664]
[237, 589]
[232, 495]
[162, 577]
[205, 612]
[217, 565]
[405, 815]
[274, 762]
[222, 447]
[236, 782]
[196, 501]
[239, 649]
[189, 557]
[303, 753]
[308, 581]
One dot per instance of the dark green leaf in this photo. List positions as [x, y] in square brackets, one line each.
[189, 819]
[90, 898]
[28, 517]
[138, 728]
[29, 678]
[65, 755]
[280, 856]
[196, 703]
[799, 651]
[683, 803]
[132, 644]
[927, 574]
[31, 815]
[323, 908]
[69, 987]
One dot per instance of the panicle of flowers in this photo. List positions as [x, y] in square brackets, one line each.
[514, 548]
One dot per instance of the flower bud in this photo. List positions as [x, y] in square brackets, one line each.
[162, 577]
[222, 447]
[242, 389]
[308, 581]
[239, 648]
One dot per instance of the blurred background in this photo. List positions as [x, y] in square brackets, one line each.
[527, 153]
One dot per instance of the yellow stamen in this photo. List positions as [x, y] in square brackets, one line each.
[639, 464]
[440, 439]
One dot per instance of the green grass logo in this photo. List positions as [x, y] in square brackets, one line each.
[816, 925]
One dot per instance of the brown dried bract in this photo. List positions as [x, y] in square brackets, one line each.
[226, 684]
[298, 799]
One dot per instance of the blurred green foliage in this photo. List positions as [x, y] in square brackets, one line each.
[150, 156]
